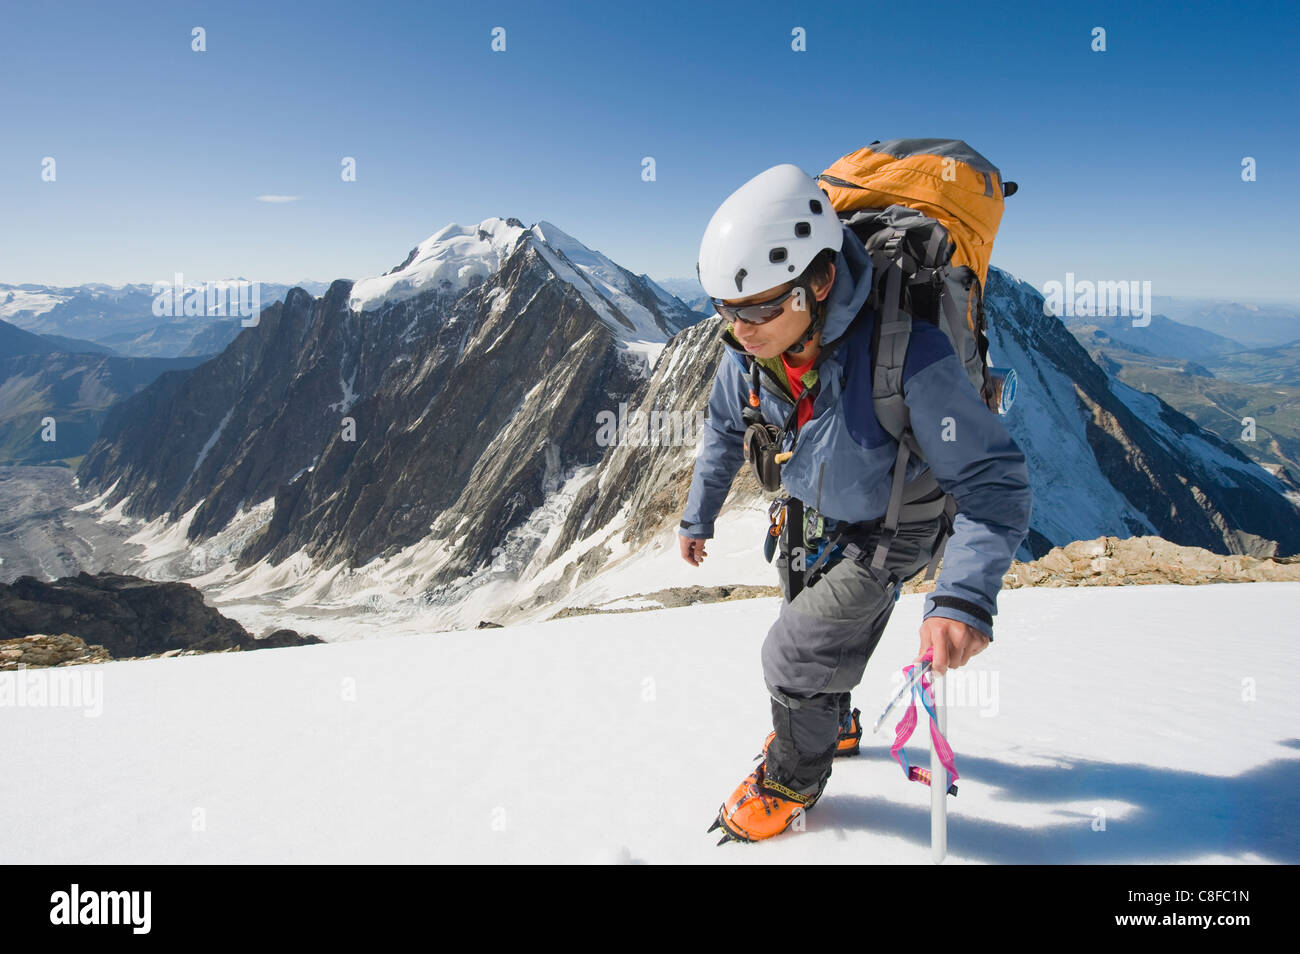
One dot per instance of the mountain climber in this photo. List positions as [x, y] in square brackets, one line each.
[790, 278]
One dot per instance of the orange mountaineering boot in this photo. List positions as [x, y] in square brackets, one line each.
[760, 808]
[850, 735]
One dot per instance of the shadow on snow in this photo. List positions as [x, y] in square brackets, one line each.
[1171, 815]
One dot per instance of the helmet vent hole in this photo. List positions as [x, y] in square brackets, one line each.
[776, 256]
[802, 230]
[815, 206]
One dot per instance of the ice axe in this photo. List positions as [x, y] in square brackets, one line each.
[941, 758]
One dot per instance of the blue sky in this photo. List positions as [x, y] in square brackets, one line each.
[1129, 161]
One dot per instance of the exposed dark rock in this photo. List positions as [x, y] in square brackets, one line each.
[280, 639]
[127, 616]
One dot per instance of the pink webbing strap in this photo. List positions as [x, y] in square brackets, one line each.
[907, 725]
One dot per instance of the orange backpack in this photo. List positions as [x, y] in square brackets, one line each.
[928, 211]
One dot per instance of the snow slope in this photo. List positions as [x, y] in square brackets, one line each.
[37, 301]
[602, 283]
[1190, 445]
[615, 737]
[1073, 500]
[391, 595]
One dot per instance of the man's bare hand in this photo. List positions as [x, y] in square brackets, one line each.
[955, 643]
[692, 549]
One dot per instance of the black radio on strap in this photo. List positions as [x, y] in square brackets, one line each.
[794, 543]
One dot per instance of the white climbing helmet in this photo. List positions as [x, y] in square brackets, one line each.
[766, 233]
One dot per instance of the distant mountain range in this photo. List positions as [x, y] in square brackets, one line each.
[1162, 337]
[15, 341]
[690, 291]
[73, 383]
[1259, 385]
[122, 319]
[48, 336]
[1254, 325]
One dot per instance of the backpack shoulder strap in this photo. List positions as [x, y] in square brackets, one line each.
[922, 499]
[890, 338]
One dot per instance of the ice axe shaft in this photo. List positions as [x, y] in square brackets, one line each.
[938, 793]
[904, 691]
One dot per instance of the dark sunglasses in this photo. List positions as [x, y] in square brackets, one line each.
[759, 313]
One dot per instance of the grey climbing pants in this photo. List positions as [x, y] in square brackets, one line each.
[818, 648]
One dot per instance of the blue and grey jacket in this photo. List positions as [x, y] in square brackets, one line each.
[843, 458]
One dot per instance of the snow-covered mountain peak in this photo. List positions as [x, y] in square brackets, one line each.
[448, 259]
[577, 253]
[641, 315]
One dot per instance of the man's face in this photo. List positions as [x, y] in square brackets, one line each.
[773, 337]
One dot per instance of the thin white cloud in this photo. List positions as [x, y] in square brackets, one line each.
[278, 198]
